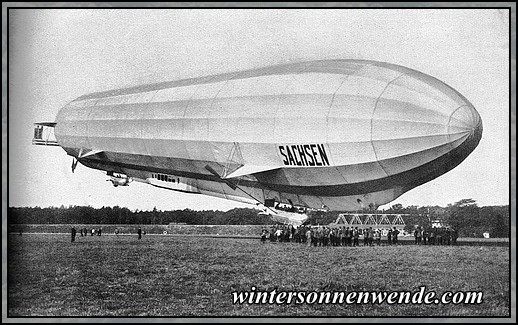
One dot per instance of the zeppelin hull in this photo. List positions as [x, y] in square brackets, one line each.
[335, 133]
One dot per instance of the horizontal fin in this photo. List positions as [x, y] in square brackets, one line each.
[249, 170]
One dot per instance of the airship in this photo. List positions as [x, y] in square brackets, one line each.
[330, 134]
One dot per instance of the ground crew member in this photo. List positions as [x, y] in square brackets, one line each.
[263, 235]
[371, 236]
[319, 235]
[356, 235]
[278, 235]
[455, 235]
[73, 234]
[438, 236]
[308, 236]
[395, 232]
[418, 235]
[348, 236]
[378, 237]
[326, 236]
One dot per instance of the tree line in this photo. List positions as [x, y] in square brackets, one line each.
[465, 215]
[121, 215]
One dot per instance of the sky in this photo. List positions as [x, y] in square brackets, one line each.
[58, 55]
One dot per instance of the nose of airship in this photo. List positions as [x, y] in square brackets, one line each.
[465, 122]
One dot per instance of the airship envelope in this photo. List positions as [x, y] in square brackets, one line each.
[340, 134]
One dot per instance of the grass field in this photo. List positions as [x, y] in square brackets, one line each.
[189, 276]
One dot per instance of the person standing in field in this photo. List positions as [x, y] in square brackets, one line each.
[139, 232]
[356, 237]
[365, 237]
[308, 236]
[438, 236]
[74, 231]
[418, 234]
[320, 236]
[455, 235]
[395, 232]
[314, 236]
[371, 236]
[432, 236]
[278, 235]
[378, 237]
[263, 235]
[325, 236]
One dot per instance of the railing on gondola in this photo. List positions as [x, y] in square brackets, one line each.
[44, 134]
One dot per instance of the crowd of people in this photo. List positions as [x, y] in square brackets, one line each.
[98, 231]
[435, 236]
[353, 236]
[84, 232]
[332, 235]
